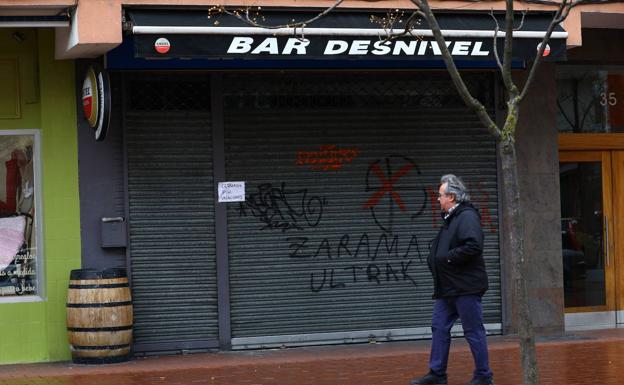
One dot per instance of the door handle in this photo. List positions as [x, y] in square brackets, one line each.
[113, 219]
[606, 231]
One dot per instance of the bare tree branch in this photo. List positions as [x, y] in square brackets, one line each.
[496, 30]
[564, 10]
[585, 113]
[238, 13]
[388, 24]
[565, 116]
[507, 54]
[575, 3]
[470, 101]
[519, 28]
[506, 79]
[409, 25]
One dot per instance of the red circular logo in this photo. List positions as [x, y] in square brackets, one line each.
[162, 45]
[546, 50]
[90, 97]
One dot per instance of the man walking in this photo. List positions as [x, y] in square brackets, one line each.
[460, 280]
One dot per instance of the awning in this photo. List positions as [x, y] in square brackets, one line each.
[34, 21]
[340, 35]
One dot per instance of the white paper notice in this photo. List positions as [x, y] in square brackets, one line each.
[231, 191]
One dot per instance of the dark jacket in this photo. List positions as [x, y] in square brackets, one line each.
[456, 255]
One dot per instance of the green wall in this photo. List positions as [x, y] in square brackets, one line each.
[35, 331]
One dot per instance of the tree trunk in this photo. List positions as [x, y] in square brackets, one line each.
[516, 237]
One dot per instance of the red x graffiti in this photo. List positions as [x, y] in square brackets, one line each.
[387, 186]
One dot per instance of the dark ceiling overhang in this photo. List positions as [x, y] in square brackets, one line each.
[34, 21]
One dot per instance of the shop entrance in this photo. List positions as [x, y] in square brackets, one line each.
[168, 136]
[592, 212]
[329, 242]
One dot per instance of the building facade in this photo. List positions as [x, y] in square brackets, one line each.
[40, 203]
[267, 190]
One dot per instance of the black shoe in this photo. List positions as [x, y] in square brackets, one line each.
[430, 379]
[481, 381]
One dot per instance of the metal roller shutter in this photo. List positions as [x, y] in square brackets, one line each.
[341, 177]
[171, 213]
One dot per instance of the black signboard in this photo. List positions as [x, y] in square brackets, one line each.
[161, 34]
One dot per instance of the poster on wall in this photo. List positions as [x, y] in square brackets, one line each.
[231, 191]
[18, 248]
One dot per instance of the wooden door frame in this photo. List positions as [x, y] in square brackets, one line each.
[617, 159]
[608, 213]
[588, 142]
[614, 143]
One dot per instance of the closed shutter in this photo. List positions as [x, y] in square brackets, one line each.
[171, 213]
[341, 203]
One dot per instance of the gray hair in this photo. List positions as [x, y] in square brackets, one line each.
[456, 187]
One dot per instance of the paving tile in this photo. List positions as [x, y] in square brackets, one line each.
[588, 358]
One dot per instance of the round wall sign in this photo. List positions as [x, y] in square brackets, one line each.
[162, 45]
[546, 50]
[96, 100]
[89, 105]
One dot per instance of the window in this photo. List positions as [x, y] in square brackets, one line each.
[590, 99]
[19, 241]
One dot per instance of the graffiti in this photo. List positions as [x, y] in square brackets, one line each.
[300, 247]
[384, 217]
[395, 195]
[329, 157]
[387, 186]
[481, 199]
[435, 206]
[279, 208]
[373, 273]
[384, 259]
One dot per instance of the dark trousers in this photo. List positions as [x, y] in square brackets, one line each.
[445, 312]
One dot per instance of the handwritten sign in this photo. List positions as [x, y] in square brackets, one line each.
[231, 191]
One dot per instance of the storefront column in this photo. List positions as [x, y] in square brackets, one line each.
[538, 170]
[223, 273]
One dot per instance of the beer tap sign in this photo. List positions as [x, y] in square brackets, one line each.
[96, 100]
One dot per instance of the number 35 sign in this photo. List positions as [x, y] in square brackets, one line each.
[608, 98]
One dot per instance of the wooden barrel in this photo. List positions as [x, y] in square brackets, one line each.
[99, 316]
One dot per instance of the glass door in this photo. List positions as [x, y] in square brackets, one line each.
[617, 161]
[587, 229]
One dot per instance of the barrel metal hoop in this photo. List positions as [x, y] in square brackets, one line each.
[97, 274]
[103, 360]
[105, 304]
[102, 329]
[99, 286]
[102, 347]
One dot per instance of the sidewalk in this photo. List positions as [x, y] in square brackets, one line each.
[581, 358]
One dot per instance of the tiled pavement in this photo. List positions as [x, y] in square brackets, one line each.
[582, 358]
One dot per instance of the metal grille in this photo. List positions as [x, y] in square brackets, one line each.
[171, 215]
[421, 90]
[341, 179]
[166, 92]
